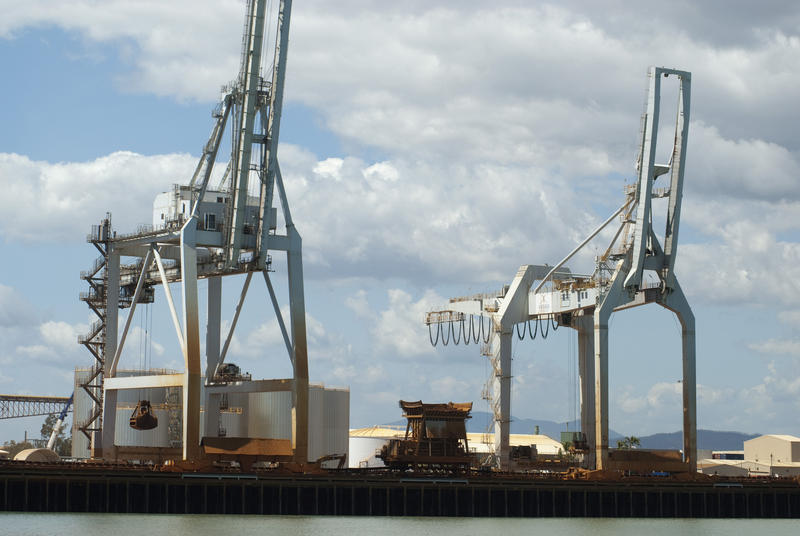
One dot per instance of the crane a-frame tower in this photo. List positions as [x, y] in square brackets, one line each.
[541, 293]
[208, 233]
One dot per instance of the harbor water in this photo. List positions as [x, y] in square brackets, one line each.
[26, 524]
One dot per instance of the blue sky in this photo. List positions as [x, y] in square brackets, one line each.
[429, 149]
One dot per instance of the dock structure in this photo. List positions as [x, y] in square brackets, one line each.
[29, 489]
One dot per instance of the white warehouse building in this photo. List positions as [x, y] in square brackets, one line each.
[256, 415]
[775, 454]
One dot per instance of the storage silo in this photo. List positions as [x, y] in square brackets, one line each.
[270, 416]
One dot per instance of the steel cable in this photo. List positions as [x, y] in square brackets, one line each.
[488, 330]
[457, 340]
[521, 337]
[430, 335]
[449, 326]
[476, 335]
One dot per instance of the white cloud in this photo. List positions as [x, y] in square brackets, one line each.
[791, 318]
[15, 311]
[501, 133]
[50, 202]
[400, 327]
[777, 346]
[449, 388]
[176, 48]
[37, 351]
[359, 304]
[61, 334]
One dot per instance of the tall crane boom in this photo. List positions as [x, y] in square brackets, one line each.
[59, 423]
[586, 302]
[201, 233]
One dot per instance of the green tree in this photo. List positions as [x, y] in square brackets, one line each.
[630, 442]
[63, 445]
[13, 448]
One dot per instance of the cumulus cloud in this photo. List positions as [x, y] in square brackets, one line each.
[57, 343]
[503, 131]
[777, 346]
[15, 310]
[400, 327]
[175, 48]
[46, 201]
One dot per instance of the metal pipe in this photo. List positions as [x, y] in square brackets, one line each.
[165, 284]
[279, 317]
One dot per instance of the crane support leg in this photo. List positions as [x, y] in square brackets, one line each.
[600, 391]
[501, 356]
[300, 358]
[585, 327]
[191, 335]
[677, 303]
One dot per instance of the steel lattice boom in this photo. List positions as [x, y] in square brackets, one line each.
[13, 406]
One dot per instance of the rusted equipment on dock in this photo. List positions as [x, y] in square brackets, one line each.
[436, 438]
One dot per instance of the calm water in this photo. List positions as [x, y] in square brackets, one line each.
[197, 525]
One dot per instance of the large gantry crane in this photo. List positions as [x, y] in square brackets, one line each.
[542, 296]
[205, 233]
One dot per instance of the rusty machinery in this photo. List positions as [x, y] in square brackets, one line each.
[436, 438]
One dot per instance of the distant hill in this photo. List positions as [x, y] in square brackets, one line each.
[479, 420]
[706, 439]
[482, 420]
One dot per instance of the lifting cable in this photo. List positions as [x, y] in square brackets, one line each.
[467, 334]
[449, 327]
[430, 334]
[456, 340]
[550, 323]
[476, 335]
[524, 327]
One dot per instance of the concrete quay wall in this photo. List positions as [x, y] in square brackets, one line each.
[175, 493]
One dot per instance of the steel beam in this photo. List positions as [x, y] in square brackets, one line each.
[213, 325]
[191, 335]
[154, 381]
[297, 312]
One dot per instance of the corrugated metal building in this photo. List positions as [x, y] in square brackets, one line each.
[256, 415]
[126, 402]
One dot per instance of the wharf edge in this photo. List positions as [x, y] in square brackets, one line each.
[35, 489]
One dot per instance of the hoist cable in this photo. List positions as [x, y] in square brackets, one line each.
[430, 334]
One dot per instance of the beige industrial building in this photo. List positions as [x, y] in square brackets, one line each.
[768, 455]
